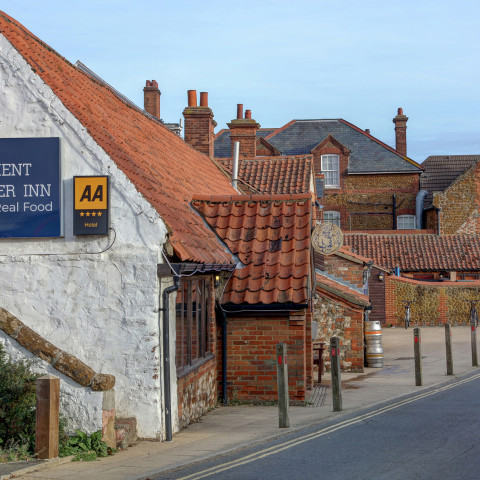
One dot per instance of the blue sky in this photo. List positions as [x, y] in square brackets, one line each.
[357, 60]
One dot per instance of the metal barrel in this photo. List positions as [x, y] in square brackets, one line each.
[373, 344]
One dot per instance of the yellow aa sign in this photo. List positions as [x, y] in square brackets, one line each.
[90, 193]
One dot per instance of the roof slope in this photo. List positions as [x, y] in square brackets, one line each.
[441, 171]
[271, 237]
[163, 168]
[418, 252]
[274, 175]
[368, 154]
[338, 291]
[223, 144]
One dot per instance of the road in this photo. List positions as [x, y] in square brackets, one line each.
[431, 435]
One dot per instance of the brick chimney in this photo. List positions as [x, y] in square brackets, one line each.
[199, 123]
[151, 98]
[244, 130]
[400, 122]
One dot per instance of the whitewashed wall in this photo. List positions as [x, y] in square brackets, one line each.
[101, 307]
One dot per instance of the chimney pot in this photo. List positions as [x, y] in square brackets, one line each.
[239, 111]
[400, 111]
[248, 114]
[367, 130]
[204, 99]
[192, 98]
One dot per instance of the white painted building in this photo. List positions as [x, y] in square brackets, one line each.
[98, 297]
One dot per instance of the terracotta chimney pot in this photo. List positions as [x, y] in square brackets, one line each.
[192, 98]
[248, 114]
[239, 111]
[204, 99]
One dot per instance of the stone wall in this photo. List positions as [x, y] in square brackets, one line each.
[433, 303]
[459, 202]
[197, 392]
[364, 194]
[337, 319]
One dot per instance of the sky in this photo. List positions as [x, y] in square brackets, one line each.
[285, 60]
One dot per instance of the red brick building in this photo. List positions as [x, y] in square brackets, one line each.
[362, 183]
[268, 299]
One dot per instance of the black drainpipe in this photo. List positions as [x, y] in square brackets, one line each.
[166, 356]
[439, 210]
[224, 358]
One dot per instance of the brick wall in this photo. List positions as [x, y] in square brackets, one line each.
[251, 356]
[244, 131]
[433, 303]
[199, 129]
[337, 319]
[345, 269]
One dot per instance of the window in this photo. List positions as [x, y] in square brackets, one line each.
[332, 217]
[331, 169]
[406, 222]
[192, 318]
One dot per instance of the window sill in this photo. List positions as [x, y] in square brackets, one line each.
[184, 371]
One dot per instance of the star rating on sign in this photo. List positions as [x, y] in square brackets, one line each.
[93, 214]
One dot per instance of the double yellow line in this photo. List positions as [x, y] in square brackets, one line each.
[320, 433]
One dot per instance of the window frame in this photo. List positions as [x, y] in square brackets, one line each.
[335, 214]
[327, 172]
[402, 218]
[193, 342]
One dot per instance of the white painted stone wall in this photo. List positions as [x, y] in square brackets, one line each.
[101, 307]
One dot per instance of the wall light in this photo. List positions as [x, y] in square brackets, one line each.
[381, 276]
[217, 280]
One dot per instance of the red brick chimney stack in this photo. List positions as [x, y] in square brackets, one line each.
[244, 130]
[151, 98]
[400, 122]
[199, 123]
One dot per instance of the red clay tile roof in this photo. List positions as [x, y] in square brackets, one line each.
[163, 168]
[271, 237]
[337, 291]
[274, 175]
[414, 253]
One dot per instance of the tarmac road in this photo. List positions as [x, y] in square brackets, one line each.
[434, 434]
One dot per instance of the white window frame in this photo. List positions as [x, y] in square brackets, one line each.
[331, 170]
[332, 216]
[406, 222]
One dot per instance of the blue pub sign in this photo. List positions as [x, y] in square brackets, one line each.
[30, 187]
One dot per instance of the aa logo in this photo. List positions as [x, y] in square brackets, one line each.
[91, 193]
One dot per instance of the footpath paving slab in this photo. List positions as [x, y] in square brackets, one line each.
[229, 428]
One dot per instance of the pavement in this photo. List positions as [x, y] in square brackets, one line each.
[227, 429]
